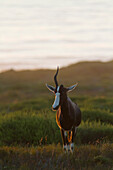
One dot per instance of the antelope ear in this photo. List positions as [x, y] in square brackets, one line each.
[71, 87]
[51, 88]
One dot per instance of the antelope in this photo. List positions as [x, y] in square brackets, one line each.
[68, 116]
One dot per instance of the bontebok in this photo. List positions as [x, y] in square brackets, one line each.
[68, 115]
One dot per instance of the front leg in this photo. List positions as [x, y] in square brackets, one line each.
[64, 139]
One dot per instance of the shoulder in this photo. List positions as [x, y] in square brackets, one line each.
[71, 102]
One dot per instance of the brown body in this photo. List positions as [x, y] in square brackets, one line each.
[68, 115]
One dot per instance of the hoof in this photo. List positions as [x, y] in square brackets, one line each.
[65, 148]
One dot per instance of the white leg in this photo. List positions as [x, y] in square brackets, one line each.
[72, 147]
[65, 148]
[68, 148]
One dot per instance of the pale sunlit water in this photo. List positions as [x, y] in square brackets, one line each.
[47, 33]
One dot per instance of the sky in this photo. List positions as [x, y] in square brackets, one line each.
[43, 34]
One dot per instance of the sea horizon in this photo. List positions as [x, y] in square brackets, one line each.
[32, 67]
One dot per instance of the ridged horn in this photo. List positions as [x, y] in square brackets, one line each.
[55, 77]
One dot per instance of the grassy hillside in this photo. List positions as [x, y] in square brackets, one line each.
[29, 135]
[94, 78]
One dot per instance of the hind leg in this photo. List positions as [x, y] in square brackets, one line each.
[74, 130]
[69, 140]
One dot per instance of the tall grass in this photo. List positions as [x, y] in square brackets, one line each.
[36, 129]
[97, 115]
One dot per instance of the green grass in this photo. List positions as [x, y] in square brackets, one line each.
[22, 128]
[29, 135]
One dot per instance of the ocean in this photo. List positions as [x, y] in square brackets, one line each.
[45, 33]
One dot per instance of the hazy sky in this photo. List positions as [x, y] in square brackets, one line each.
[39, 34]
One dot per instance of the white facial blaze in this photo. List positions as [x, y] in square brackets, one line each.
[57, 99]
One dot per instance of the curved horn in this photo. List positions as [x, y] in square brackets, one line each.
[55, 77]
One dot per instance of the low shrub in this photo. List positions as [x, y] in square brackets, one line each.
[97, 115]
[28, 130]
[38, 129]
[94, 132]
